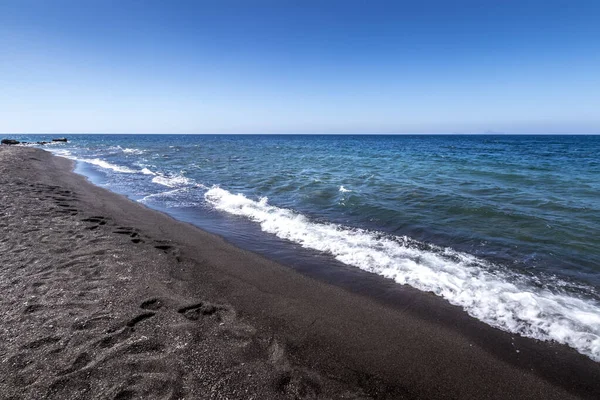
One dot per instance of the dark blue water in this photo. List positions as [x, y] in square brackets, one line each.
[507, 227]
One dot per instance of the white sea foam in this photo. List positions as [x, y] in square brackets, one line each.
[172, 180]
[162, 195]
[106, 165]
[344, 190]
[125, 150]
[62, 153]
[102, 163]
[497, 297]
[146, 171]
[132, 151]
[52, 144]
[187, 196]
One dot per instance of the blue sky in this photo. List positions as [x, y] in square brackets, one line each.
[299, 66]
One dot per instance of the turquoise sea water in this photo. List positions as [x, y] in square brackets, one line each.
[506, 227]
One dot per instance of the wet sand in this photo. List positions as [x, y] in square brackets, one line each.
[103, 298]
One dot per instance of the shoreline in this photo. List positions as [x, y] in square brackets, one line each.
[310, 339]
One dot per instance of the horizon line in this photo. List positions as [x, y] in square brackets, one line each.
[313, 134]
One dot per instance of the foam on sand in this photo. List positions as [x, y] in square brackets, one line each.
[488, 292]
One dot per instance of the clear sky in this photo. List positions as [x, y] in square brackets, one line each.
[447, 66]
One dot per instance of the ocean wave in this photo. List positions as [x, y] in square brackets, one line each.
[163, 195]
[62, 153]
[146, 171]
[106, 165]
[172, 180]
[126, 150]
[132, 151]
[344, 190]
[102, 163]
[52, 144]
[188, 196]
[496, 296]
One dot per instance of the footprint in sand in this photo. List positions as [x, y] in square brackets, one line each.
[139, 318]
[96, 220]
[196, 311]
[131, 232]
[152, 304]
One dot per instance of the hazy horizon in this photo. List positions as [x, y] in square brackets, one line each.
[511, 67]
[308, 134]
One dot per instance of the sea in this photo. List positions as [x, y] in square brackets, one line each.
[505, 227]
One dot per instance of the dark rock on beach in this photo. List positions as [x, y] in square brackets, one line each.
[10, 141]
[60, 140]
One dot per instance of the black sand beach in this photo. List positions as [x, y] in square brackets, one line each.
[103, 298]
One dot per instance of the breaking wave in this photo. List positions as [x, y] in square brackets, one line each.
[106, 165]
[501, 298]
[172, 180]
